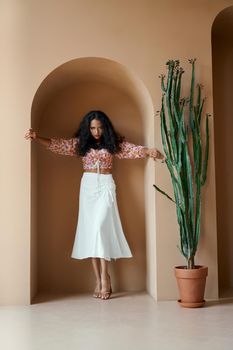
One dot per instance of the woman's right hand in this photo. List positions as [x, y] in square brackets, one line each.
[30, 135]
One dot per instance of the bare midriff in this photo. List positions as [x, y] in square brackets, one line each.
[101, 171]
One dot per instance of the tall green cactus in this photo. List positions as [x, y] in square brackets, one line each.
[183, 146]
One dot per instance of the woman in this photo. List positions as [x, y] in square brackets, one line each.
[99, 233]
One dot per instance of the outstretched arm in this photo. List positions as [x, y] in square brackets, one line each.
[129, 150]
[60, 146]
[155, 154]
[31, 135]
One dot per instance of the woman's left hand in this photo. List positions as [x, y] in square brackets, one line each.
[156, 154]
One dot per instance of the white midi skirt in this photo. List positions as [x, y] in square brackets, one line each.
[99, 231]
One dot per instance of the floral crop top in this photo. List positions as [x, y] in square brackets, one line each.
[97, 158]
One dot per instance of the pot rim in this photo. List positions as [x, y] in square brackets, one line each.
[184, 267]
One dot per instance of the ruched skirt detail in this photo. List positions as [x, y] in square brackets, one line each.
[99, 231]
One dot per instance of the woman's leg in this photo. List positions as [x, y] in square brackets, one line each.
[96, 268]
[105, 280]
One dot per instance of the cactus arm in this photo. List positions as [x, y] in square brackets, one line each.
[164, 133]
[205, 163]
[200, 111]
[164, 193]
[191, 95]
[174, 105]
[197, 149]
[171, 118]
[190, 199]
[162, 77]
[198, 96]
[178, 91]
[198, 212]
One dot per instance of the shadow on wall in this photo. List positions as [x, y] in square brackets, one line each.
[222, 56]
[63, 98]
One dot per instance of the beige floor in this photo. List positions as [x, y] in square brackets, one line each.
[127, 321]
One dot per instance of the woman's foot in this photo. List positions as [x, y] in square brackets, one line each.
[97, 291]
[106, 289]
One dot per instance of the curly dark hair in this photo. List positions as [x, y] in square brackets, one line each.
[109, 140]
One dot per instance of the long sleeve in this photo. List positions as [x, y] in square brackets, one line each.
[66, 147]
[131, 151]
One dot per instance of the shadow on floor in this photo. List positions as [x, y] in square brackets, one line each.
[43, 298]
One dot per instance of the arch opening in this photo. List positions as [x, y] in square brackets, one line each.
[63, 97]
[222, 59]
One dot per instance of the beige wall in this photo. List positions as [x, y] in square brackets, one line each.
[223, 110]
[37, 37]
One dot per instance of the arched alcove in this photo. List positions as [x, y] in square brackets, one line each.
[60, 102]
[222, 55]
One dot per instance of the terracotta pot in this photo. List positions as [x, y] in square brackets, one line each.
[191, 284]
